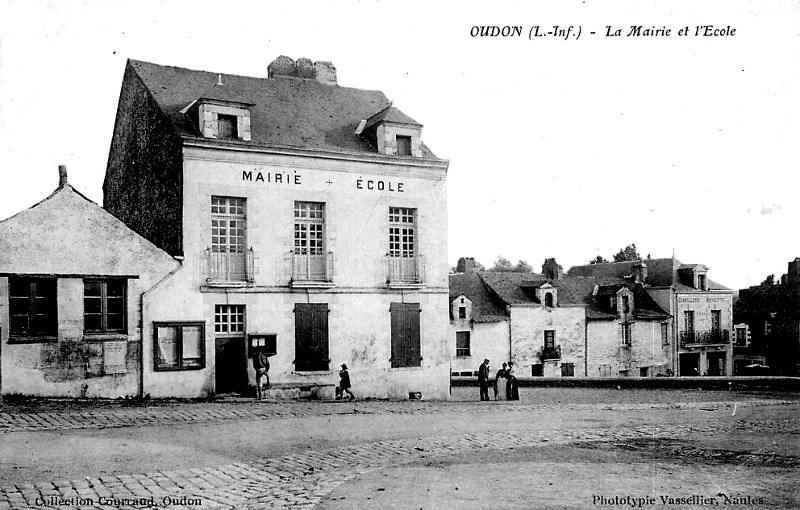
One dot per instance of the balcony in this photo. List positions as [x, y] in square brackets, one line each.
[405, 272]
[312, 270]
[696, 338]
[225, 269]
[549, 353]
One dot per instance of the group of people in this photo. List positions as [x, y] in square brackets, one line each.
[507, 372]
[261, 366]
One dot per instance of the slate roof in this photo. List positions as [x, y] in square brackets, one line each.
[286, 112]
[52, 237]
[572, 290]
[391, 114]
[484, 307]
[660, 272]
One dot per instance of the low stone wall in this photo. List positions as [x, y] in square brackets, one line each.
[704, 383]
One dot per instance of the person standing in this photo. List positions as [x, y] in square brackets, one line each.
[501, 374]
[344, 383]
[483, 379]
[261, 366]
[512, 391]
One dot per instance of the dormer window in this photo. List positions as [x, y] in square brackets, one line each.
[221, 119]
[392, 132]
[403, 145]
[461, 308]
[226, 126]
[626, 304]
[547, 294]
[702, 282]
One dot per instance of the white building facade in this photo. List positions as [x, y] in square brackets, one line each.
[312, 224]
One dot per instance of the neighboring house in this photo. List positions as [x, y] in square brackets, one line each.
[480, 326]
[312, 223]
[768, 317]
[563, 326]
[547, 332]
[700, 339]
[73, 280]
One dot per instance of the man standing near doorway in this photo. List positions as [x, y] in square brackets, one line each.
[483, 379]
[261, 366]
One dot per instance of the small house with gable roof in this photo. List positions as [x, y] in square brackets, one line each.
[73, 282]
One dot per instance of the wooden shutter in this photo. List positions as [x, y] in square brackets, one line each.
[406, 350]
[311, 336]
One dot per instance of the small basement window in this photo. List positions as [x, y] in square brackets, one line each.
[227, 126]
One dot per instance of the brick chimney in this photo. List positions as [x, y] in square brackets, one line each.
[322, 72]
[62, 176]
[466, 265]
[552, 269]
[640, 272]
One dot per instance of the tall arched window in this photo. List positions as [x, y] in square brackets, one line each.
[548, 300]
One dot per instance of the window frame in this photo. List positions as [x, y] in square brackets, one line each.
[552, 334]
[716, 321]
[688, 321]
[48, 334]
[227, 118]
[403, 235]
[468, 348]
[406, 143]
[742, 336]
[179, 325]
[230, 312]
[104, 330]
[626, 334]
[239, 214]
[309, 227]
[664, 333]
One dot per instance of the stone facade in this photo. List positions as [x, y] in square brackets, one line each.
[566, 326]
[485, 339]
[701, 325]
[531, 325]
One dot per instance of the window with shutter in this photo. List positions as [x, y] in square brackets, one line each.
[406, 350]
[311, 337]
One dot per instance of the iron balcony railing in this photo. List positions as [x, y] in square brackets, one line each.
[405, 270]
[312, 268]
[550, 353]
[226, 267]
[705, 337]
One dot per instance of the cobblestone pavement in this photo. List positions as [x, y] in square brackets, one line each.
[186, 413]
[302, 480]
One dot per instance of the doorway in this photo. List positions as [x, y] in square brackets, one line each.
[690, 364]
[231, 365]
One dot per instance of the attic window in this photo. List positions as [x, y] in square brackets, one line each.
[403, 145]
[226, 124]
[702, 282]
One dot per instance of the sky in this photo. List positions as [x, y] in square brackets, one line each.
[567, 147]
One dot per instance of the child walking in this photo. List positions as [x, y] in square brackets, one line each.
[344, 384]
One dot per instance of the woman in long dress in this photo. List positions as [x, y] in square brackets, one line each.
[512, 392]
[501, 374]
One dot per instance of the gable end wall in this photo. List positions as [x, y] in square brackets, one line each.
[143, 183]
